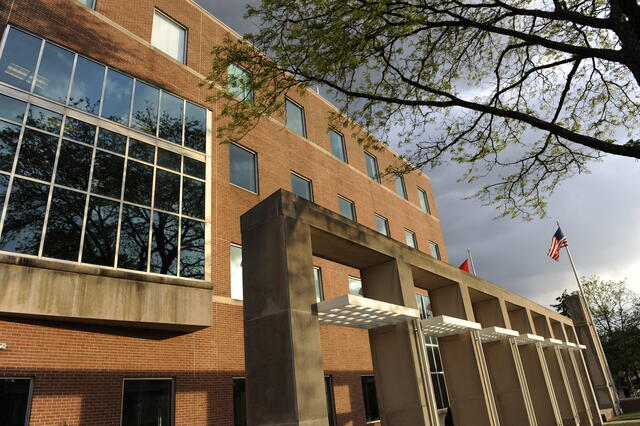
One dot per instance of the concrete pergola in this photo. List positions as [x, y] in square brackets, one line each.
[521, 365]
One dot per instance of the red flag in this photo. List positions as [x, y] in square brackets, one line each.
[465, 265]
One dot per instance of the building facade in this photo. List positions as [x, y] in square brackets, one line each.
[120, 238]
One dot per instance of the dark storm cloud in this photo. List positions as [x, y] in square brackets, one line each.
[231, 13]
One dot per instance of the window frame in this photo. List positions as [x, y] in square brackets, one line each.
[433, 246]
[249, 98]
[172, 399]
[353, 208]
[344, 145]
[27, 414]
[426, 208]
[320, 287]
[386, 223]
[309, 181]
[351, 277]
[403, 187]
[414, 238]
[255, 168]
[178, 24]
[365, 399]
[286, 117]
[367, 154]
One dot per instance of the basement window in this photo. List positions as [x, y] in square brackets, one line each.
[147, 402]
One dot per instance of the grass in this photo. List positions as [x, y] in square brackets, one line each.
[629, 416]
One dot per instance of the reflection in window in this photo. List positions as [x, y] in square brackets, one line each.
[192, 249]
[239, 82]
[435, 250]
[164, 248]
[86, 88]
[141, 151]
[100, 232]
[301, 186]
[37, 155]
[382, 225]
[169, 159]
[134, 238]
[171, 111]
[400, 188]
[79, 131]
[54, 73]
[8, 142]
[424, 201]
[12, 109]
[112, 141]
[138, 184]
[193, 198]
[74, 165]
[25, 216]
[372, 167]
[235, 271]
[169, 36]
[19, 58]
[295, 117]
[372, 413]
[347, 208]
[167, 191]
[194, 168]
[144, 116]
[107, 174]
[147, 402]
[44, 119]
[337, 145]
[242, 168]
[88, 3]
[410, 238]
[355, 286]
[117, 97]
[195, 121]
[64, 226]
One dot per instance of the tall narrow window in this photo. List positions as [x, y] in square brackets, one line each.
[401, 190]
[435, 250]
[169, 36]
[242, 168]
[317, 281]
[337, 145]
[372, 167]
[410, 236]
[147, 402]
[235, 271]
[355, 286]
[239, 402]
[347, 208]
[424, 201]
[370, 399]
[54, 73]
[15, 398]
[19, 59]
[239, 82]
[301, 186]
[331, 406]
[295, 117]
[382, 225]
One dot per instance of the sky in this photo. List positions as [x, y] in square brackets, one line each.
[599, 213]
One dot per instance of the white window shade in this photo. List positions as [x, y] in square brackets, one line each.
[236, 272]
[169, 37]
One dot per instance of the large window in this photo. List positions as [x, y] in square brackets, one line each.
[370, 399]
[242, 168]
[433, 353]
[372, 167]
[295, 117]
[235, 271]
[99, 90]
[147, 402]
[424, 201]
[411, 239]
[169, 36]
[317, 282]
[337, 145]
[15, 399]
[301, 186]
[401, 190]
[347, 208]
[382, 225]
[435, 250]
[239, 83]
[86, 193]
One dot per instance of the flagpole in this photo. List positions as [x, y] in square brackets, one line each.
[473, 266]
[589, 319]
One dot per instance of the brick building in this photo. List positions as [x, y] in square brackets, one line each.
[120, 241]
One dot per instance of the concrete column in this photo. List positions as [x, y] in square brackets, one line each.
[470, 396]
[582, 376]
[595, 359]
[505, 366]
[535, 368]
[396, 361]
[283, 357]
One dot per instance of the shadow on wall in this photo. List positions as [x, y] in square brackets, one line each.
[94, 397]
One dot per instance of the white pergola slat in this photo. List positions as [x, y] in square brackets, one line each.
[492, 334]
[443, 325]
[551, 342]
[361, 312]
[526, 338]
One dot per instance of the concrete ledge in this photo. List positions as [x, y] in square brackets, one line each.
[74, 296]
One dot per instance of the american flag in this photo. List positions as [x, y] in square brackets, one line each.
[558, 241]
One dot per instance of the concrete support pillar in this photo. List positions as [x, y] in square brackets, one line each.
[470, 395]
[285, 380]
[505, 367]
[396, 361]
[595, 359]
[579, 395]
[591, 396]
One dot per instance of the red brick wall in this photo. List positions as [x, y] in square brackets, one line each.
[78, 368]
